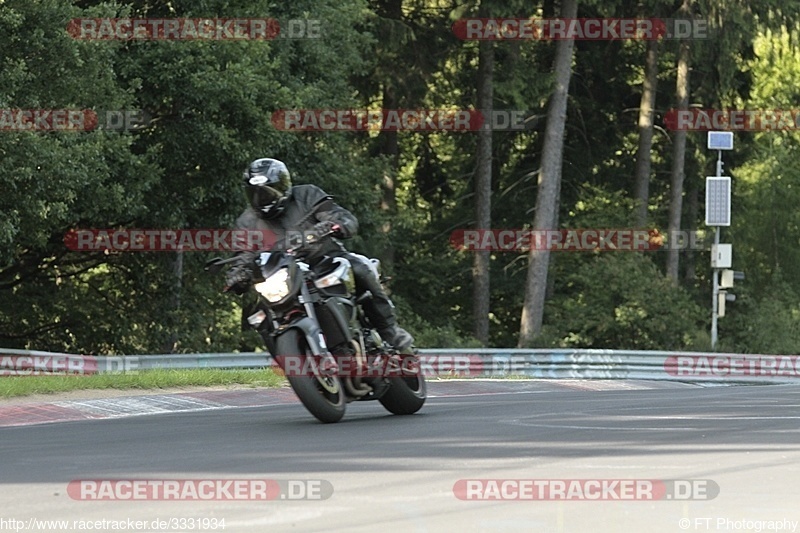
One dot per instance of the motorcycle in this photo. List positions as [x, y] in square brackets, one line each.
[316, 331]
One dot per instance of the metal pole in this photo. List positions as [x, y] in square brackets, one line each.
[715, 275]
[715, 298]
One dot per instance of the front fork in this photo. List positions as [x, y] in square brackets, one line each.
[308, 326]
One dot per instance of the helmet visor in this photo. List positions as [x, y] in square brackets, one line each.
[264, 196]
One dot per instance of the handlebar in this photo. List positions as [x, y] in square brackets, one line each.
[308, 238]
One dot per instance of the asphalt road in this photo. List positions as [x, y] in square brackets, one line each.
[379, 472]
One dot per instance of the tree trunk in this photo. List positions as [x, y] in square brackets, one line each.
[691, 215]
[549, 183]
[678, 156]
[483, 195]
[391, 148]
[646, 113]
[391, 9]
[175, 302]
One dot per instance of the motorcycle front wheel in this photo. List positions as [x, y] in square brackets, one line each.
[323, 396]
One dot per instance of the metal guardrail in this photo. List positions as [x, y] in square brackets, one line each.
[483, 363]
[621, 364]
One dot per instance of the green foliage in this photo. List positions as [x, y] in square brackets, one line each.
[212, 104]
[623, 301]
[764, 317]
[432, 335]
[771, 323]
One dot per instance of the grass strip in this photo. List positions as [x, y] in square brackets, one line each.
[13, 386]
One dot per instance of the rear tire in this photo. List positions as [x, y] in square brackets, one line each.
[323, 396]
[406, 395]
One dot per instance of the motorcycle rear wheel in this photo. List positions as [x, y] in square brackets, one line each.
[406, 395]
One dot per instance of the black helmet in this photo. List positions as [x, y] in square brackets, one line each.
[267, 184]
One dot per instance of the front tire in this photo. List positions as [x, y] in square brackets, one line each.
[323, 396]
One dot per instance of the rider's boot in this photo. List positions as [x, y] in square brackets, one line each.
[381, 315]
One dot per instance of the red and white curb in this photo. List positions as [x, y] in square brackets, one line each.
[126, 406]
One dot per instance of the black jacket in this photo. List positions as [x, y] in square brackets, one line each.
[307, 205]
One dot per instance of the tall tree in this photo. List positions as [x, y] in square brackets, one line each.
[646, 123]
[483, 193]
[549, 178]
[390, 13]
[679, 150]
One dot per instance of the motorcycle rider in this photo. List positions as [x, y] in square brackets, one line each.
[277, 206]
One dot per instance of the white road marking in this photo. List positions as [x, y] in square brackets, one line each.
[141, 405]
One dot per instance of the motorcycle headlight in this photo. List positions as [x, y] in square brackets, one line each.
[276, 287]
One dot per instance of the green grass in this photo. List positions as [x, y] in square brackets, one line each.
[13, 386]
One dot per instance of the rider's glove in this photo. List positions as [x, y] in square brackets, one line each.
[325, 227]
[237, 279]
